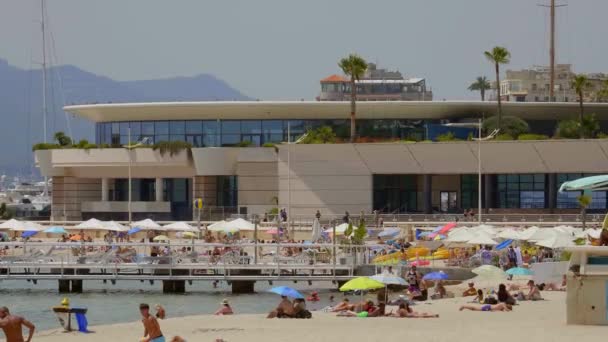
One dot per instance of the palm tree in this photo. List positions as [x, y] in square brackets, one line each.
[353, 66]
[580, 83]
[481, 84]
[499, 55]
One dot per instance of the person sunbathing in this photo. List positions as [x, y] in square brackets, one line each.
[405, 311]
[343, 306]
[488, 307]
[556, 287]
[533, 292]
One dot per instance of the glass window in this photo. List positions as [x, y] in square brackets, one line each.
[468, 191]
[521, 191]
[194, 127]
[231, 127]
[230, 139]
[107, 136]
[195, 140]
[394, 193]
[124, 128]
[161, 128]
[177, 137]
[251, 127]
[227, 191]
[177, 127]
[147, 128]
[211, 140]
[211, 127]
[135, 129]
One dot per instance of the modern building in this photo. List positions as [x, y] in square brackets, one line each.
[376, 85]
[393, 176]
[533, 85]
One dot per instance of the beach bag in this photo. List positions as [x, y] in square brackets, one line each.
[491, 301]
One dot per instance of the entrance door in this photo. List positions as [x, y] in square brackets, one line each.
[448, 201]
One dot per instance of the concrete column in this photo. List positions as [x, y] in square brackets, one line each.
[105, 189]
[427, 194]
[64, 286]
[159, 189]
[551, 191]
[76, 286]
[489, 192]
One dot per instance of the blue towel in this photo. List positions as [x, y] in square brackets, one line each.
[82, 322]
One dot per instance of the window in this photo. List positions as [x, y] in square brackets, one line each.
[521, 191]
[448, 201]
[176, 127]
[394, 193]
[161, 128]
[194, 127]
[468, 191]
[147, 128]
[142, 190]
[135, 130]
[569, 199]
[536, 99]
[272, 131]
[534, 86]
[227, 191]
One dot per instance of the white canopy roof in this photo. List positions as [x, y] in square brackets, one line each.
[11, 224]
[558, 240]
[146, 224]
[593, 233]
[216, 226]
[232, 226]
[114, 226]
[21, 226]
[90, 224]
[482, 238]
[340, 229]
[461, 236]
[527, 234]
[509, 234]
[179, 227]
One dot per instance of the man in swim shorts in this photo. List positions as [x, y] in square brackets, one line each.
[11, 325]
[152, 331]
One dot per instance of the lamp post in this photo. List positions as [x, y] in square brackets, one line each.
[480, 138]
[129, 149]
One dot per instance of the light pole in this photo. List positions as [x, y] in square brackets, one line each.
[480, 138]
[129, 149]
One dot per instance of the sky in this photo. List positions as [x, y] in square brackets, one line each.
[280, 49]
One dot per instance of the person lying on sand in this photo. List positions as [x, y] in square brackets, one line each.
[557, 287]
[343, 306]
[284, 310]
[488, 307]
[405, 311]
[371, 311]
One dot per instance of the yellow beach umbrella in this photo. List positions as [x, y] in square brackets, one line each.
[161, 238]
[361, 283]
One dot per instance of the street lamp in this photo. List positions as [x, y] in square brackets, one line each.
[129, 148]
[479, 139]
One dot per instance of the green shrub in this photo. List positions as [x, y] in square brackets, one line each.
[62, 139]
[45, 146]
[531, 136]
[269, 144]
[591, 126]
[568, 129]
[511, 125]
[321, 135]
[244, 144]
[504, 136]
[172, 147]
[449, 136]
[602, 135]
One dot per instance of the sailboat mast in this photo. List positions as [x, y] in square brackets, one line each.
[44, 112]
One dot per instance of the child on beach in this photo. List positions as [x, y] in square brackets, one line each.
[152, 331]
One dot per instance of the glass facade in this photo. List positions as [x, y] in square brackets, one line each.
[395, 193]
[468, 191]
[214, 133]
[524, 191]
[142, 190]
[569, 199]
[227, 191]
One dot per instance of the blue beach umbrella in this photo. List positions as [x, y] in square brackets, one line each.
[286, 292]
[519, 271]
[435, 276]
[503, 245]
[29, 233]
[134, 230]
[55, 230]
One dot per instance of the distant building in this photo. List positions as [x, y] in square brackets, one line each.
[533, 85]
[376, 85]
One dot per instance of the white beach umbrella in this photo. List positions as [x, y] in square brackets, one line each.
[558, 240]
[28, 226]
[482, 238]
[90, 224]
[217, 226]
[509, 234]
[180, 227]
[147, 224]
[543, 233]
[489, 230]
[461, 236]
[527, 234]
[114, 226]
[340, 229]
[240, 224]
[316, 230]
[11, 224]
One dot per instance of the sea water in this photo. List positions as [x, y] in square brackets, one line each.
[108, 304]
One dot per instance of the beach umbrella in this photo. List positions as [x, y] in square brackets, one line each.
[272, 231]
[217, 226]
[114, 226]
[316, 230]
[519, 271]
[446, 228]
[11, 224]
[180, 227]
[509, 234]
[147, 224]
[28, 226]
[361, 283]
[557, 241]
[55, 230]
[489, 272]
[389, 232]
[340, 229]
[161, 238]
[188, 235]
[435, 276]
[240, 224]
[133, 230]
[484, 228]
[29, 233]
[460, 236]
[90, 224]
[287, 292]
[594, 183]
[527, 234]
[77, 237]
[482, 238]
[503, 245]
[389, 279]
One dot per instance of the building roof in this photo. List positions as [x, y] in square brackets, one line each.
[334, 78]
[404, 81]
[236, 110]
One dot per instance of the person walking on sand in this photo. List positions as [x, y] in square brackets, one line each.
[11, 325]
[152, 331]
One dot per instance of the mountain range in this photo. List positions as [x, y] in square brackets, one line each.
[21, 104]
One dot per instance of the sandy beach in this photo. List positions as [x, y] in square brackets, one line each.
[530, 321]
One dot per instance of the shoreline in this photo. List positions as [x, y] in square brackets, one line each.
[542, 321]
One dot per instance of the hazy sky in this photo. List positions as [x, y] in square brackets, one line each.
[279, 49]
